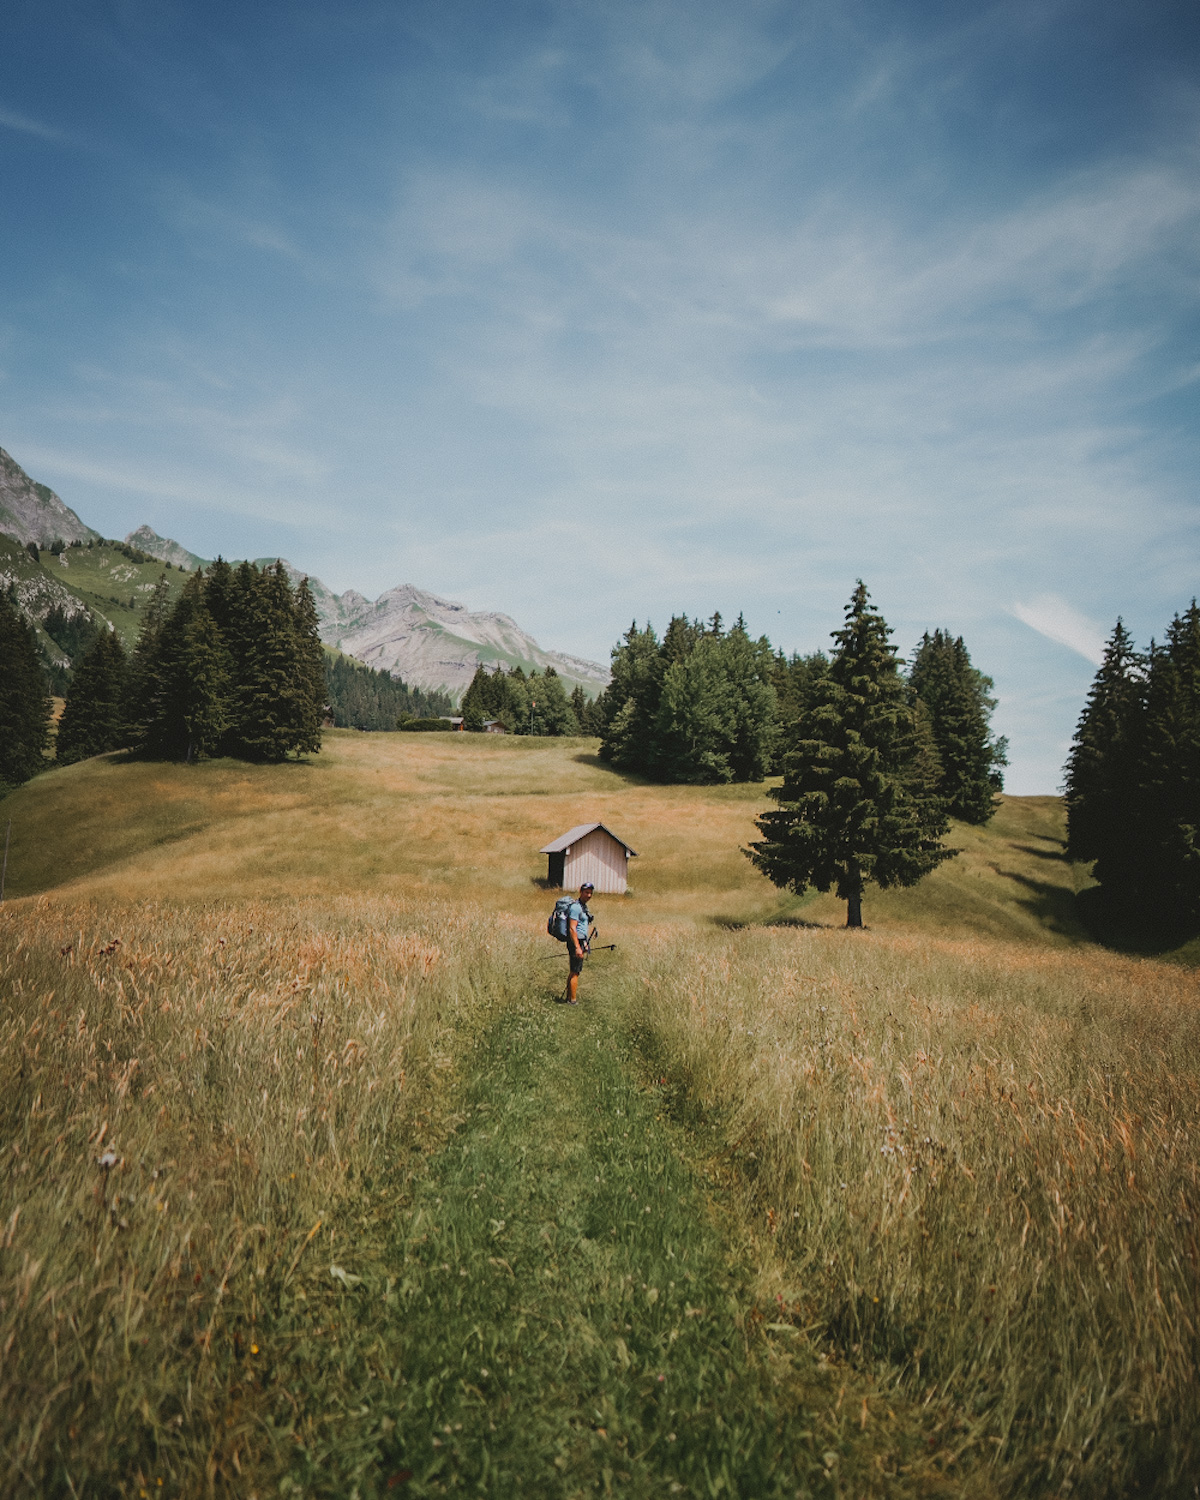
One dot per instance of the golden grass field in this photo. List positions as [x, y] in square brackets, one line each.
[422, 814]
[965, 1139]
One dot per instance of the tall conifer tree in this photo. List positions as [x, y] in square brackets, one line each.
[857, 804]
[553, 714]
[313, 698]
[205, 700]
[93, 720]
[24, 703]
[1133, 786]
[1168, 891]
[1102, 767]
[959, 703]
[630, 702]
[145, 682]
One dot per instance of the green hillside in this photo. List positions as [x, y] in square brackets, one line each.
[108, 583]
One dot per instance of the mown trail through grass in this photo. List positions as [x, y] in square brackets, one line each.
[569, 1321]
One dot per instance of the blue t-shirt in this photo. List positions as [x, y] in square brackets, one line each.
[579, 915]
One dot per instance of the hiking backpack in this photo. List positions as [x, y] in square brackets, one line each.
[557, 925]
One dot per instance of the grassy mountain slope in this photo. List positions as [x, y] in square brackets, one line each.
[100, 579]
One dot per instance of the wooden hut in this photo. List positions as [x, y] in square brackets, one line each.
[589, 852]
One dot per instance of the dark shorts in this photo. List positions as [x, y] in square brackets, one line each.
[576, 962]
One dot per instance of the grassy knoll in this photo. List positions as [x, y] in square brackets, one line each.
[930, 1190]
[422, 814]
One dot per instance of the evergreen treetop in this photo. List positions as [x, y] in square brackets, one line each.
[93, 719]
[1133, 787]
[859, 802]
[959, 703]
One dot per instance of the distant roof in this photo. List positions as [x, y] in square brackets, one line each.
[573, 835]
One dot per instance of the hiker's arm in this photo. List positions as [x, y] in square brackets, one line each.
[573, 939]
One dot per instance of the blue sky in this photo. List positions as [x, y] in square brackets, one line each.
[589, 311]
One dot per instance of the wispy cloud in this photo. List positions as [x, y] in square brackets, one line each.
[14, 120]
[1051, 616]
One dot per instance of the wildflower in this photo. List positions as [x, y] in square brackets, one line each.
[109, 1159]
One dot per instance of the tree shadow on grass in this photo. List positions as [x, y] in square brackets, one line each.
[1057, 854]
[1054, 906]
[742, 924]
[1112, 931]
[590, 758]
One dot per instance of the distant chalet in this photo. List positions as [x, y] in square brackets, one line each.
[589, 852]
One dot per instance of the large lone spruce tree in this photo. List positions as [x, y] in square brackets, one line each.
[859, 800]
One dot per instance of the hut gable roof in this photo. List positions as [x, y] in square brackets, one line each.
[573, 835]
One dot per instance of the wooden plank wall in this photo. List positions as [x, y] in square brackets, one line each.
[598, 858]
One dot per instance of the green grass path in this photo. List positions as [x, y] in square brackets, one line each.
[564, 1318]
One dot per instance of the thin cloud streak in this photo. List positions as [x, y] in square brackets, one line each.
[1051, 616]
[13, 120]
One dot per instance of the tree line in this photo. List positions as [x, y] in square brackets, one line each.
[1133, 785]
[362, 697]
[234, 667]
[874, 758]
[536, 703]
[709, 705]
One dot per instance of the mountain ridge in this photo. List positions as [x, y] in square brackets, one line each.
[430, 641]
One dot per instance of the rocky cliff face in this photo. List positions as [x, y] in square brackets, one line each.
[437, 643]
[33, 513]
[147, 540]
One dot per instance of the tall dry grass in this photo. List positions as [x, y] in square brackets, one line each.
[981, 1163]
[194, 1102]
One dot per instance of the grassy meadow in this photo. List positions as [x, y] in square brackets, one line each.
[311, 1189]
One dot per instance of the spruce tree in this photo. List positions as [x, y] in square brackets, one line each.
[93, 720]
[695, 724]
[553, 714]
[587, 712]
[267, 689]
[1166, 897]
[857, 804]
[145, 683]
[1102, 766]
[24, 703]
[959, 702]
[1133, 787]
[630, 702]
[176, 700]
[310, 665]
[205, 700]
[749, 667]
[486, 697]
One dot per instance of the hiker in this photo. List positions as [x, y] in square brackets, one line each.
[579, 927]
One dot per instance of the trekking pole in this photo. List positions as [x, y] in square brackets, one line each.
[604, 948]
[4, 866]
